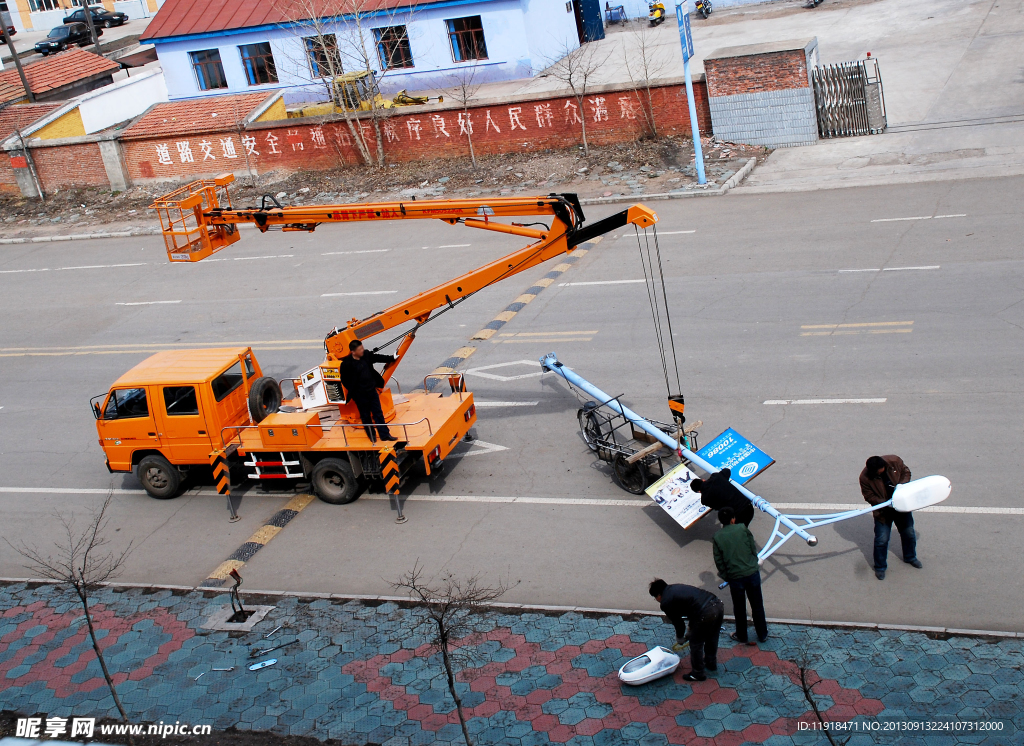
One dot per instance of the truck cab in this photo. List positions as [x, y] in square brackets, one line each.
[170, 412]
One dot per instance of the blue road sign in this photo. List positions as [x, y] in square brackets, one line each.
[732, 451]
[685, 38]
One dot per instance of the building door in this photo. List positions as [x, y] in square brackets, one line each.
[579, 20]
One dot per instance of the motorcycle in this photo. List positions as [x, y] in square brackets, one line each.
[704, 7]
[657, 13]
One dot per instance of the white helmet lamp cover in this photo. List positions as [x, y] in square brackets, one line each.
[654, 664]
[920, 493]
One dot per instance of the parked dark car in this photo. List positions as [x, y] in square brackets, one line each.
[63, 37]
[11, 31]
[101, 17]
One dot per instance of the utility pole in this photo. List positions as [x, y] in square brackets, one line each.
[17, 60]
[92, 26]
[683, 18]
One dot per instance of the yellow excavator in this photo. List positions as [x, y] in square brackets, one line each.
[358, 92]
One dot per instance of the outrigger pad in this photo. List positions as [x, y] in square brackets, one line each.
[920, 493]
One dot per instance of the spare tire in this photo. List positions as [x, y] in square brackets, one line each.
[264, 398]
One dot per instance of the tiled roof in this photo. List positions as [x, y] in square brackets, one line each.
[187, 17]
[54, 72]
[22, 115]
[194, 116]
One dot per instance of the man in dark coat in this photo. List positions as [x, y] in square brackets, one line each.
[717, 492]
[361, 380]
[878, 481]
[704, 611]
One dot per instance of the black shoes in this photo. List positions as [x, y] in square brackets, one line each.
[733, 636]
[388, 437]
[880, 574]
[694, 677]
[914, 563]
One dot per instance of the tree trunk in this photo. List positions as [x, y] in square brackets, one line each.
[357, 136]
[17, 62]
[451, 684]
[84, 598]
[583, 125]
[380, 142]
[469, 137]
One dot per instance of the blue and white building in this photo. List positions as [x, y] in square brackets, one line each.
[245, 46]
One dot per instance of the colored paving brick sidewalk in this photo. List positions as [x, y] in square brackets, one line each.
[362, 674]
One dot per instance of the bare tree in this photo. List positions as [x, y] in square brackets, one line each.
[644, 65]
[335, 36]
[808, 680]
[577, 69]
[451, 605]
[79, 563]
[463, 86]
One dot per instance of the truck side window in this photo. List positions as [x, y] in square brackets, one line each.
[227, 381]
[125, 403]
[181, 400]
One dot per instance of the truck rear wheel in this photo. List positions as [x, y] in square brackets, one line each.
[159, 478]
[264, 398]
[334, 482]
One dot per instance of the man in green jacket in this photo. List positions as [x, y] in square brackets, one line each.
[736, 559]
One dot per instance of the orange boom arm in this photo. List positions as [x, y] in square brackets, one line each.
[198, 220]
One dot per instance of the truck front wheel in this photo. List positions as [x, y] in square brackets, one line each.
[158, 477]
[334, 482]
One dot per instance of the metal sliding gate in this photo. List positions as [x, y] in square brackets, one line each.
[849, 100]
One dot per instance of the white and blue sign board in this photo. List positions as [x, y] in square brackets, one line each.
[732, 451]
[685, 38]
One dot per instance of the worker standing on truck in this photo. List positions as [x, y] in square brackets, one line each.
[361, 380]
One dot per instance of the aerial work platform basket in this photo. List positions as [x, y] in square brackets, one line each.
[188, 236]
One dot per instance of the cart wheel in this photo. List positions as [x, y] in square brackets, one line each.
[631, 477]
[590, 426]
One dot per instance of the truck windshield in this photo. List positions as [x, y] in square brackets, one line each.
[124, 403]
[227, 381]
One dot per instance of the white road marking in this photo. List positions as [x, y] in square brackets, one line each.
[600, 282]
[498, 403]
[364, 292]
[892, 269]
[103, 266]
[62, 269]
[496, 377]
[485, 447]
[149, 303]
[480, 447]
[245, 258]
[365, 251]
[454, 246]
[825, 401]
[673, 233]
[920, 217]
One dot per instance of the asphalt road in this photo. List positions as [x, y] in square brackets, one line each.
[756, 288]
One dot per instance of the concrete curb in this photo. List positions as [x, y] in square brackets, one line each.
[77, 237]
[735, 179]
[554, 609]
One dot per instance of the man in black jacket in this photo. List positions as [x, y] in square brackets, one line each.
[704, 610]
[717, 492]
[361, 380]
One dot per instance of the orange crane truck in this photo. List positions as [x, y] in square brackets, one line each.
[185, 410]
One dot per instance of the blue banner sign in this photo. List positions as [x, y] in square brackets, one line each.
[732, 451]
[685, 39]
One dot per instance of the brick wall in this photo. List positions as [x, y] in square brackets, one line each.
[541, 124]
[72, 165]
[775, 71]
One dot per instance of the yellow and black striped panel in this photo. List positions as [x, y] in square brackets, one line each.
[221, 472]
[389, 470]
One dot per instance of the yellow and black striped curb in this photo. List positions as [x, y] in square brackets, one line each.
[460, 355]
[257, 541]
[221, 472]
[389, 470]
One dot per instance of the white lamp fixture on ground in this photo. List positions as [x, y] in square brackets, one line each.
[654, 664]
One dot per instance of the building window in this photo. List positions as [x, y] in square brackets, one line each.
[467, 38]
[258, 61]
[209, 70]
[393, 47]
[322, 53]
[40, 5]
